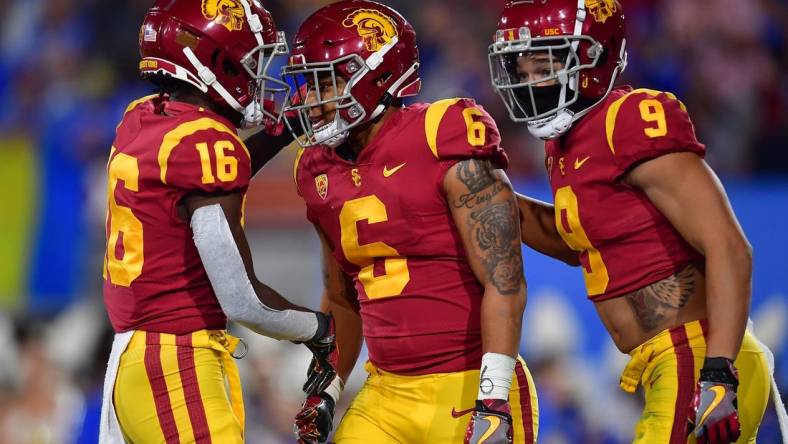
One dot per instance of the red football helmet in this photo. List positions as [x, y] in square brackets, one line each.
[371, 46]
[583, 40]
[222, 47]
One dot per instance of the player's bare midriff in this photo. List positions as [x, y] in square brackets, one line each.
[634, 318]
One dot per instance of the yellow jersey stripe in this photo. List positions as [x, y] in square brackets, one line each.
[612, 112]
[296, 163]
[173, 138]
[139, 102]
[432, 122]
[697, 344]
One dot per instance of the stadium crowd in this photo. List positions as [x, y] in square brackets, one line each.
[69, 67]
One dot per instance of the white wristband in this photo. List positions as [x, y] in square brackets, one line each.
[495, 378]
[335, 389]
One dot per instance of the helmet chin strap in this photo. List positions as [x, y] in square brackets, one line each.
[252, 113]
[553, 126]
[394, 87]
[339, 136]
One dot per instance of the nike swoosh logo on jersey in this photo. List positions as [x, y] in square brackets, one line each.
[719, 394]
[461, 413]
[389, 172]
[579, 163]
[494, 423]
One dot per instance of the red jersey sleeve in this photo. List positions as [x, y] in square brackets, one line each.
[204, 155]
[645, 124]
[460, 129]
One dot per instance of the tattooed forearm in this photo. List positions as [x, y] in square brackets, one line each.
[494, 231]
[477, 176]
[653, 303]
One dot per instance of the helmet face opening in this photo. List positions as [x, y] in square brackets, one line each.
[536, 77]
[270, 92]
[325, 85]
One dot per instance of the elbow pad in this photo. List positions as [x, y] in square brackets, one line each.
[231, 284]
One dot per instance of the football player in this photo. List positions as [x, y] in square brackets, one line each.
[420, 236]
[664, 259]
[177, 263]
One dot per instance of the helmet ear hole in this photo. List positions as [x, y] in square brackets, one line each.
[229, 67]
[383, 78]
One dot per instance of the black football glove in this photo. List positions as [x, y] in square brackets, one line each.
[714, 416]
[315, 420]
[322, 369]
[490, 423]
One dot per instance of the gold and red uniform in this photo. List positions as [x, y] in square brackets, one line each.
[391, 229]
[625, 243]
[154, 282]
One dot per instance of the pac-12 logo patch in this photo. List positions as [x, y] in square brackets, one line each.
[228, 13]
[321, 184]
[601, 9]
[373, 26]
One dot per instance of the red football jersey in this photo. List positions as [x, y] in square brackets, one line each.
[624, 241]
[388, 220]
[164, 150]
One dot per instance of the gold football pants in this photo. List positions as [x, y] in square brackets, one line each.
[430, 409]
[668, 366]
[179, 389]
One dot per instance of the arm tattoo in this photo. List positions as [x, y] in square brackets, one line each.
[494, 229]
[654, 302]
[493, 226]
[477, 176]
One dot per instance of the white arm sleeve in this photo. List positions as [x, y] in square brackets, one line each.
[236, 295]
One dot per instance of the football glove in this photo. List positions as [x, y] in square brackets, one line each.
[713, 416]
[315, 420]
[322, 369]
[491, 423]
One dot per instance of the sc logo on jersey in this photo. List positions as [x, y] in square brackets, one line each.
[228, 13]
[321, 185]
[373, 26]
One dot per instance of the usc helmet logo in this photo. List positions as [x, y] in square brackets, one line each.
[228, 13]
[373, 26]
[601, 9]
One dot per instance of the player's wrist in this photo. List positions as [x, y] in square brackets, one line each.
[334, 389]
[323, 326]
[495, 378]
[499, 407]
[720, 370]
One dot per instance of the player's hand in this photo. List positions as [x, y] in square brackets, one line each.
[315, 420]
[322, 369]
[714, 416]
[491, 421]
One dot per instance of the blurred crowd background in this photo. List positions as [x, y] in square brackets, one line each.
[68, 68]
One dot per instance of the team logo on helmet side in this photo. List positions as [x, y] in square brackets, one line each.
[602, 9]
[373, 26]
[321, 184]
[228, 13]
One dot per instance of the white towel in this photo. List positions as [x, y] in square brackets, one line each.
[109, 432]
[779, 407]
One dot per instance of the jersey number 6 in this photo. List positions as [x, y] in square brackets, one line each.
[396, 276]
[123, 270]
